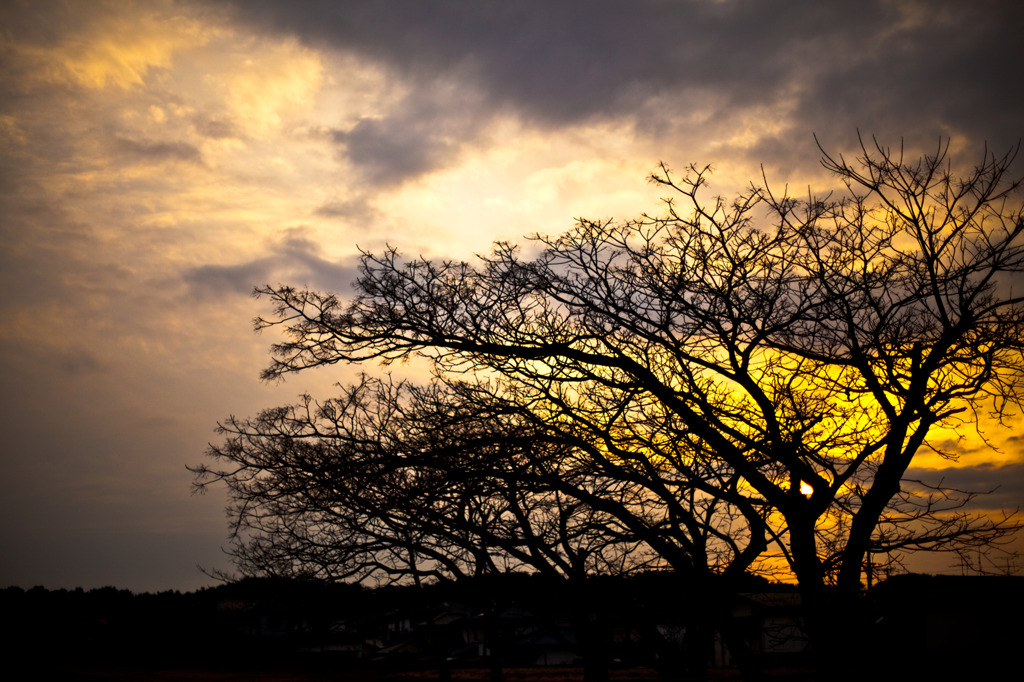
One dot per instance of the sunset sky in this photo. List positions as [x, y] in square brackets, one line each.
[162, 158]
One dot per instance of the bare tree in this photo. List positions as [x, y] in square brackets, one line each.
[362, 487]
[717, 384]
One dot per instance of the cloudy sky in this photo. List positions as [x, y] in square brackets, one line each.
[161, 158]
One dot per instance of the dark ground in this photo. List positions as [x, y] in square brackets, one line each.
[116, 674]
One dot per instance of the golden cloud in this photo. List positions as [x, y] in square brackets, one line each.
[110, 44]
[271, 83]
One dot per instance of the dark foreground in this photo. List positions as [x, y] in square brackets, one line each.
[566, 674]
[915, 627]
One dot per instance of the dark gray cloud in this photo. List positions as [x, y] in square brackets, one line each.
[1001, 483]
[358, 208]
[914, 69]
[554, 62]
[148, 151]
[295, 260]
[390, 151]
[79, 361]
[215, 128]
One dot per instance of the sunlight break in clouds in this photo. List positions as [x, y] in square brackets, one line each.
[270, 84]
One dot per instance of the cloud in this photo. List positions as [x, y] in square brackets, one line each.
[264, 86]
[423, 133]
[96, 45]
[353, 209]
[1002, 482]
[81, 361]
[215, 128]
[390, 151]
[897, 69]
[135, 150]
[295, 260]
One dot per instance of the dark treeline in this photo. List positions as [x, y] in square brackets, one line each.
[223, 625]
[915, 624]
[491, 621]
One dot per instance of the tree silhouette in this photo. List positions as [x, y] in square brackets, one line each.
[726, 387]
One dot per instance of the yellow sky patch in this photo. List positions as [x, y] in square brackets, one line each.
[513, 183]
[272, 83]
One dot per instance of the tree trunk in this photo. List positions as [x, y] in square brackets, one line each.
[838, 632]
[494, 645]
[593, 634]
